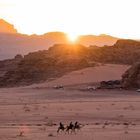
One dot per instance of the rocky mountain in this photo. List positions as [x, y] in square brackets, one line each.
[122, 52]
[62, 58]
[42, 65]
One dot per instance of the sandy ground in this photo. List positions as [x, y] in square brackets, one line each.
[104, 114]
[88, 75]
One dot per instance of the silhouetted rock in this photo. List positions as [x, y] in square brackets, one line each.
[18, 57]
[131, 78]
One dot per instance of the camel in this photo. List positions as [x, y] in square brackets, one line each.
[70, 127]
[61, 127]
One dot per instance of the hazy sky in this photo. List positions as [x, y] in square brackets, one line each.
[115, 17]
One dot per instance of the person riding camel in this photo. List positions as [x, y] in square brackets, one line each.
[76, 124]
[71, 125]
[61, 127]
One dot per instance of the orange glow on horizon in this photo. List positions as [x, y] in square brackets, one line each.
[72, 38]
[113, 17]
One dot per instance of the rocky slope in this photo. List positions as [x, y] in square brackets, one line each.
[39, 66]
[9, 64]
[62, 58]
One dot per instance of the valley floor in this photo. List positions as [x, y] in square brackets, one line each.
[35, 111]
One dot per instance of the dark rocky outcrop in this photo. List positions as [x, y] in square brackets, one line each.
[127, 43]
[9, 65]
[122, 52]
[18, 57]
[131, 78]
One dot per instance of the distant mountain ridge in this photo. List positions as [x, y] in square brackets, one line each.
[99, 40]
[12, 42]
[6, 27]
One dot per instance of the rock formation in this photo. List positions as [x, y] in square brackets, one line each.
[42, 65]
[131, 78]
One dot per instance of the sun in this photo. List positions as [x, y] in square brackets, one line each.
[72, 37]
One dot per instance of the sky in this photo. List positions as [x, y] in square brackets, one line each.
[114, 17]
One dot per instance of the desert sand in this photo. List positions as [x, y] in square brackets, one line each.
[34, 112]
